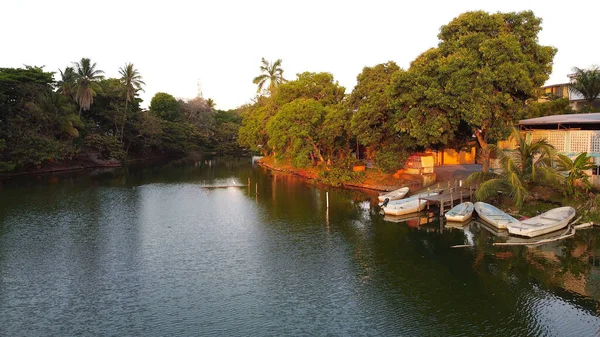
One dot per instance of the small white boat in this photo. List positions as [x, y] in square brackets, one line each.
[410, 206]
[394, 195]
[461, 212]
[494, 216]
[406, 206]
[544, 223]
[412, 197]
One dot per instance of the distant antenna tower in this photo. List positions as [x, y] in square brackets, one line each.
[200, 89]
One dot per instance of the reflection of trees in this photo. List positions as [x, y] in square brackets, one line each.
[567, 264]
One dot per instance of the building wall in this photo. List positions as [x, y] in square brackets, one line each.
[451, 157]
[558, 90]
[568, 142]
[576, 100]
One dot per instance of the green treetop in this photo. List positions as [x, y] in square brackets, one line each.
[484, 69]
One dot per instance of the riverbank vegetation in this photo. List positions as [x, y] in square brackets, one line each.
[80, 118]
[477, 81]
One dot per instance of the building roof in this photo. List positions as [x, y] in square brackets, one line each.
[584, 118]
[555, 85]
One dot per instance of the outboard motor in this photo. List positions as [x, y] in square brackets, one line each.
[385, 202]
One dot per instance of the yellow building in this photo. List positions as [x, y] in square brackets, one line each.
[451, 157]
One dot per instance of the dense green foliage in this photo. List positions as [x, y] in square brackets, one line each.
[574, 171]
[40, 124]
[484, 69]
[305, 120]
[554, 106]
[165, 106]
[475, 82]
[530, 163]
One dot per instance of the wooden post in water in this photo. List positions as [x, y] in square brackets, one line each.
[451, 201]
[256, 188]
[327, 198]
[441, 207]
[248, 181]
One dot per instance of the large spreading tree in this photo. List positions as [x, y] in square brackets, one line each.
[484, 69]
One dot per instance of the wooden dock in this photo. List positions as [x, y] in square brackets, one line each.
[452, 196]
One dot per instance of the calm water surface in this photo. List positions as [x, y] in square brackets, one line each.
[150, 252]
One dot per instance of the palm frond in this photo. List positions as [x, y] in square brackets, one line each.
[478, 177]
[489, 188]
[515, 187]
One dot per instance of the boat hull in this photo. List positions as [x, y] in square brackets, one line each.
[459, 218]
[408, 208]
[460, 213]
[394, 195]
[548, 222]
[494, 216]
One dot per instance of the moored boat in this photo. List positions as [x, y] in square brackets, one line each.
[461, 212]
[394, 195]
[544, 223]
[493, 215]
[391, 203]
[405, 206]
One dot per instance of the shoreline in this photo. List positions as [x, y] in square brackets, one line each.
[76, 167]
[351, 185]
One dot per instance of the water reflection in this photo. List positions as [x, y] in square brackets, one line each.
[147, 250]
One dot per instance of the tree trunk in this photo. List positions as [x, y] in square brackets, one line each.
[485, 151]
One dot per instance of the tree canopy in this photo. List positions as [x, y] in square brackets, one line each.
[165, 106]
[306, 121]
[484, 69]
[40, 126]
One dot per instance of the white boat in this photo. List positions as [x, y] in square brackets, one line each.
[461, 212]
[394, 195]
[412, 197]
[406, 206]
[544, 223]
[494, 216]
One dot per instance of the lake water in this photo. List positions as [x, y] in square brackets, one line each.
[147, 251]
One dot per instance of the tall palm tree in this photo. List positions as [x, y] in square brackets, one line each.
[132, 80]
[530, 162]
[66, 84]
[211, 103]
[86, 80]
[587, 83]
[271, 72]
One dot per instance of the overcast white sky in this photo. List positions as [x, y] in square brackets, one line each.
[176, 43]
